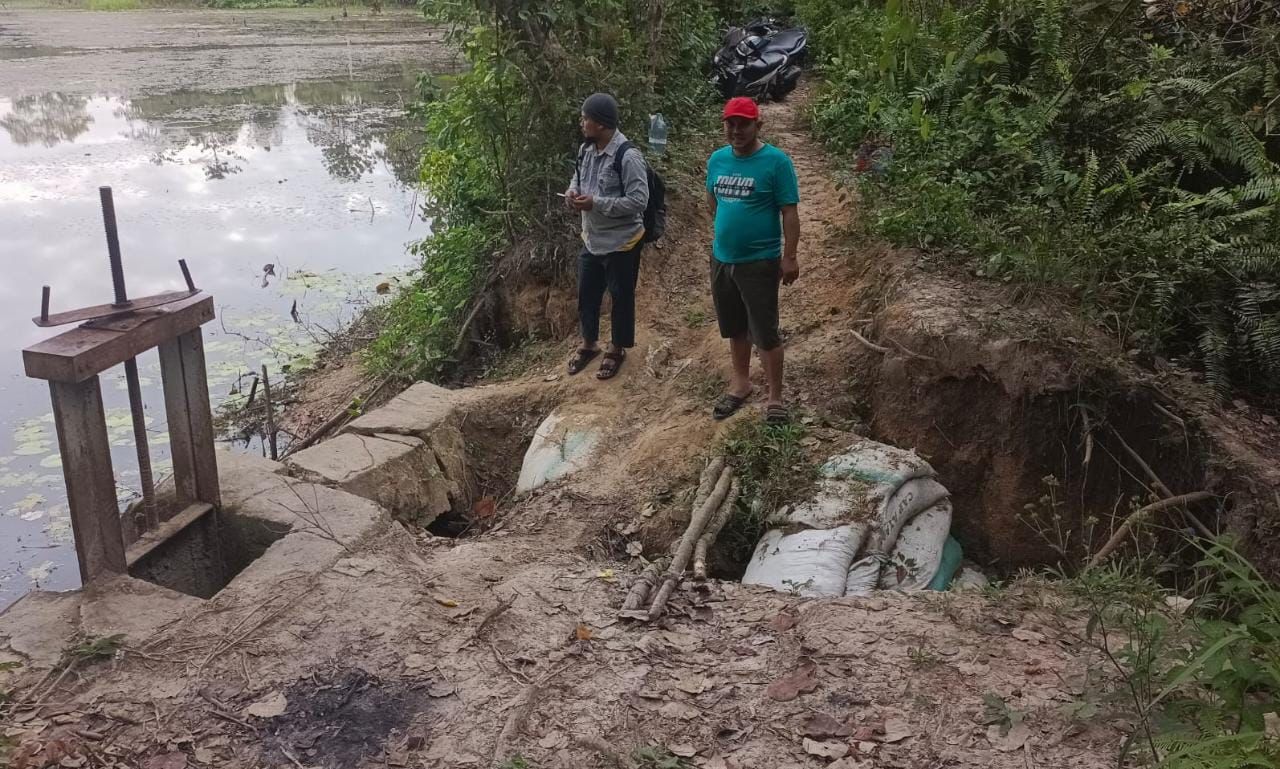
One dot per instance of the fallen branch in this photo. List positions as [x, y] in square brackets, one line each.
[710, 474]
[708, 538]
[644, 584]
[680, 561]
[1137, 516]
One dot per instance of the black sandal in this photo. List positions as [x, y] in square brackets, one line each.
[728, 405]
[776, 415]
[580, 359]
[610, 364]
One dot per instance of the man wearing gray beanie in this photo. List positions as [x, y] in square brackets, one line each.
[612, 206]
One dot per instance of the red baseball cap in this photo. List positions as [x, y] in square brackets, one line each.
[741, 106]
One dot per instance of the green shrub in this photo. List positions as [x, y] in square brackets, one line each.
[1125, 151]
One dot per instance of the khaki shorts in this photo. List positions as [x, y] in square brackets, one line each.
[746, 300]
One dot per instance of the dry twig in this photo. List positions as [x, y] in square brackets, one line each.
[1136, 516]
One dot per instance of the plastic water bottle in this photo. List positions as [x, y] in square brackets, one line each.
[657, 134]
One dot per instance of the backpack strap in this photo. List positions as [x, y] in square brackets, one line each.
[623, 149]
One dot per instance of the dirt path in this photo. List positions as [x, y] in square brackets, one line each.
[467, 652]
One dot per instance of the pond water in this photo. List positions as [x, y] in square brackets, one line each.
[271, 150]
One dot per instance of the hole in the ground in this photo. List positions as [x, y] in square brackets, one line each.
[496, 433]
[204, 556]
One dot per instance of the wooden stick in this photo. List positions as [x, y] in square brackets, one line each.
[648, 578]
[680, 561]
[708, 538]
[1136, 516]
[271, 417]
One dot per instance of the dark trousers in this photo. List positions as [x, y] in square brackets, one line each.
[618, 271]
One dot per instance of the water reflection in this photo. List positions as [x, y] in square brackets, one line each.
[313, 178]
[47, 119]
[356, 125]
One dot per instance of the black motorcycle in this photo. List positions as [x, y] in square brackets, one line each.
[761, 59]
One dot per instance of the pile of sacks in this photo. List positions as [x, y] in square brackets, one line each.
[879, 519]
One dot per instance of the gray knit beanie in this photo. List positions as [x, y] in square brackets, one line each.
[602, 108]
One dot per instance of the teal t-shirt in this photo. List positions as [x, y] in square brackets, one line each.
[750, 193]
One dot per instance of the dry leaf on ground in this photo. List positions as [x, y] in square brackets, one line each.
[680, 710]
[166, 761]
[270, 706]
[799, 681]
[1030, 636]
[820, 726]
[554, 741]
[683, 750]
[1010, 741]
[896, 730]
[825, 749]
[440, 689]
[782, 621]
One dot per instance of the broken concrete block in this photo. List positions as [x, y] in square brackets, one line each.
[417, 411]
[399, 472]
[564, 443]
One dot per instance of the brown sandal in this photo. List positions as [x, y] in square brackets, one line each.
[610, 364]
[580, 359]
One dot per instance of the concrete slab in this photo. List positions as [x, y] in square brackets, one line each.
[324, 524]
[319, 511]
[399, 472]
[417, 411]
[242, 476]
[130, 607]
[40, 625]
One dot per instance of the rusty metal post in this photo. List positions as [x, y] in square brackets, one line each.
[136, 407]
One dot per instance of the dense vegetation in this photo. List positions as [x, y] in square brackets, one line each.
[502, 138]
[1123, 149]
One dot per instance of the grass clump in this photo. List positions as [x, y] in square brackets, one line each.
[773, 470]
[114, 5]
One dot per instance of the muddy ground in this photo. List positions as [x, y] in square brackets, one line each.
[425, 651]
[147, 52]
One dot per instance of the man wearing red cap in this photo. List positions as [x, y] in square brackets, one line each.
[752, 190]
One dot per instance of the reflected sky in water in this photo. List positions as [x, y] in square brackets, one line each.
[315, 179]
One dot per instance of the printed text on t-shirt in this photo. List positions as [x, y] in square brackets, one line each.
[735, 186]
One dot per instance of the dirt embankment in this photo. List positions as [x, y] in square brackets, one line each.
[425, 651]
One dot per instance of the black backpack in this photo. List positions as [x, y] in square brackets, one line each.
[655, 213]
